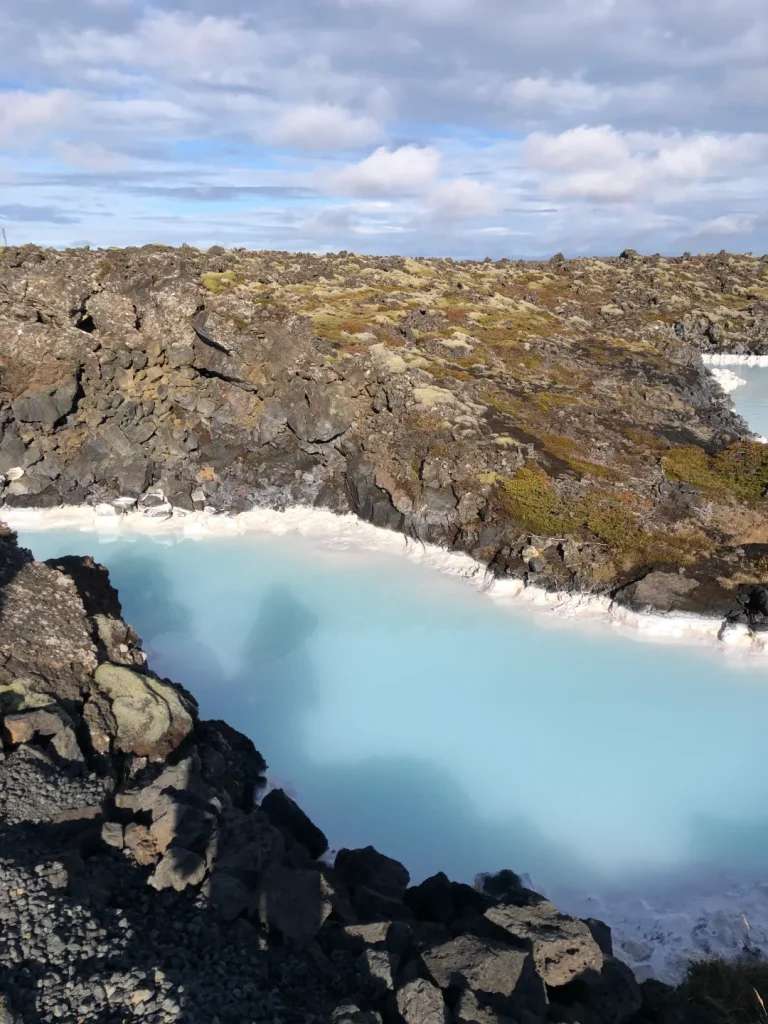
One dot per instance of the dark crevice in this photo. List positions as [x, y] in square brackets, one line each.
[82, 319]
[198, 323]
[235, 381]
[85, 323]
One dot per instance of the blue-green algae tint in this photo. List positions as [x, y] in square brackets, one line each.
[407, 710]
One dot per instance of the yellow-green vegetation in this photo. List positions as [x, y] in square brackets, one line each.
[739, 471]
[569, 451]
[723, 992]
[531, 500]
[219, 282]
[609, 514]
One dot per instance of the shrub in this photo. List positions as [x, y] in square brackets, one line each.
[726, 992]
[739, 471]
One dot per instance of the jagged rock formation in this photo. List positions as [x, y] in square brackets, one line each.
[554, 420]
[141, 880]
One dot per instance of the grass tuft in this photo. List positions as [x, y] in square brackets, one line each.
[740, 471]
[726, 992]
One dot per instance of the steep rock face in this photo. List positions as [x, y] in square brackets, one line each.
[554, 420]
[136, 864]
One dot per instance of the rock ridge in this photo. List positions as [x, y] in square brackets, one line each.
[554, 420]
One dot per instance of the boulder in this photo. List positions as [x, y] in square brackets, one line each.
[112, 834]
[376, 883]
[320, 414]
[152, 717]
[379, 967]
[46, 405]
[50, 723]
[611, 996]
[139, 841]
[468, 1009]
[439, 899]
[563, 947]
[297, 902]
[350, 1013]
[177, 869]
[658, 591]
[372, 869]
[421, 1002]
[395, 936]
[289, 818]
[494, 969]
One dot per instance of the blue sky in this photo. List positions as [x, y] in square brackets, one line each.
[429, 127]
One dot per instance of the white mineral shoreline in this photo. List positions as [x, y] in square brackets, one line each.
[733, 359]
[346, 532]
[727, 379]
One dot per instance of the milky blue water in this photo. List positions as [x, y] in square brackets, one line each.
[407, 710]
[751, 399]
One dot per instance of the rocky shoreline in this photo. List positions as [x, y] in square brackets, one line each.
[554, 420]
[657, 625]
[143, 878]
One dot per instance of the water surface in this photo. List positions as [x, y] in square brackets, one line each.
[751, 398]
[407, 710]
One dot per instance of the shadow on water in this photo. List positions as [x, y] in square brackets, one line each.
[409, 807]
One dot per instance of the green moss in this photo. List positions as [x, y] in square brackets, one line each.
[610, 516]
[568, 451]
[218, 282]
[549, 401]
[727, 993]
[740, 471]
[531, 500]
[610, 519]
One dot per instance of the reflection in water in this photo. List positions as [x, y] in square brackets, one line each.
[407, 711]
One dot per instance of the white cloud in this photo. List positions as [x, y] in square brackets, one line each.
[576, 149]
[462, 197]
[323, 126]
[429, 10]
[644, 133]
[207, 49]
[728, 224]
[605, 165]
[406, 170]
[562, 94]
[24, 114]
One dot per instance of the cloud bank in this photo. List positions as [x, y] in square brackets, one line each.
[455, 127]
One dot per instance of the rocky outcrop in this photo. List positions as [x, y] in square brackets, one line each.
[142, 878]
[498, 408]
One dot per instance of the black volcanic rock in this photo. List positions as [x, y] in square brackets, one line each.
[288, 816]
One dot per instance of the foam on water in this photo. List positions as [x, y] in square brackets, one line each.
[405, 709]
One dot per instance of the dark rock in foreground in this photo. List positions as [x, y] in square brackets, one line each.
[139, 879]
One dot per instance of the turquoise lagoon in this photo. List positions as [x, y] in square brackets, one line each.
[750, 399]
[405, 708]
[410, 711]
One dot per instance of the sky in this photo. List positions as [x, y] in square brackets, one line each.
[464, 128]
